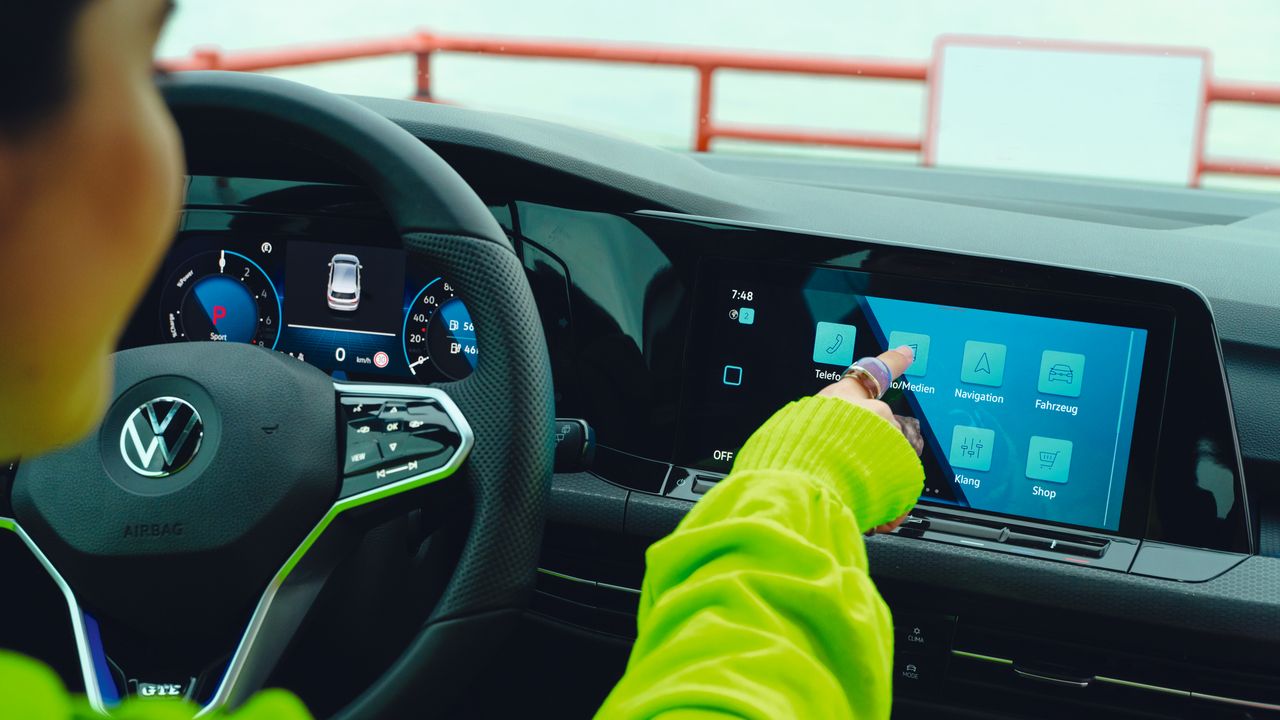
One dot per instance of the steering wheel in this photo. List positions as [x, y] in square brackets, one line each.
[192, 531]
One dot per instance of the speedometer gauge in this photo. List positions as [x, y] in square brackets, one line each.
[221, 296]
[438, 330]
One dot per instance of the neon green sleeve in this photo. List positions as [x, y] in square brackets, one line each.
[31, 691]
[759, 605]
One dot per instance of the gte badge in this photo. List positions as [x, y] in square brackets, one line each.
[161, 437]
[158, 690]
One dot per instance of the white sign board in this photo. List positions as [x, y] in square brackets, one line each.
[1128, 113]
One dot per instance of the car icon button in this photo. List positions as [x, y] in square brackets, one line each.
[1061, 373]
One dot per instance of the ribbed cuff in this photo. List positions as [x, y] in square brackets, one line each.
[852, 450]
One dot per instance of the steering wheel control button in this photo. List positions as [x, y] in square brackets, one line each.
[393, 410]
[361, 408]
[362, 455]
[369, 428]
[413, 445]
[392, 439]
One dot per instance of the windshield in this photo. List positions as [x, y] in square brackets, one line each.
[344, 279]
[1135, 91]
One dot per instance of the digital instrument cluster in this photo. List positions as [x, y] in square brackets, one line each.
[356, 311]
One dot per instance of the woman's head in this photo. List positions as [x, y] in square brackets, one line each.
[90, 187]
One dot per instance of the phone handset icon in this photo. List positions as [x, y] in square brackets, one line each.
[833, 343]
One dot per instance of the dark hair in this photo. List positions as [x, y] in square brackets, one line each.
[35, 60]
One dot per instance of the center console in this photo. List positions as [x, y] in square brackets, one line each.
[1083, 543]
[1031, 406]
[1067, 414]
[1041, 411]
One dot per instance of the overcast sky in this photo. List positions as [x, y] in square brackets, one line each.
[657, 105]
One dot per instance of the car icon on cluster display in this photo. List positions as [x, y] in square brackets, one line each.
[1061, 373]
[344, 282]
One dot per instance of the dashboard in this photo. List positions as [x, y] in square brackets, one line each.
[1086, 458]
[1041, 392]
[355, 309]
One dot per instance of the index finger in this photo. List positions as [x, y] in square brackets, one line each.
[898, 360]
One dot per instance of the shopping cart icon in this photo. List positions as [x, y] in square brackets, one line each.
[1047, 459]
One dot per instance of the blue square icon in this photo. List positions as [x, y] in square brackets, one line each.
[732, 375]
[919, 344]
[971, 447]
[983, 363]
[747, 316]
[833, 344]
[1049, 459]
[1061, 373]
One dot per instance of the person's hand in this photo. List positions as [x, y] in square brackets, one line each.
[850, 390]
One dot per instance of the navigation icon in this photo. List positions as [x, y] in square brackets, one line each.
[983, 363]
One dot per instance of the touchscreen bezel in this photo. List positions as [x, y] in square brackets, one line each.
[1156, 320]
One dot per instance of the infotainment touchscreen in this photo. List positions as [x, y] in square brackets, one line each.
[1028, 403]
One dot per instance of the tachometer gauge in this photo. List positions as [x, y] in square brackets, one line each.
[222, 296]
[438, 332]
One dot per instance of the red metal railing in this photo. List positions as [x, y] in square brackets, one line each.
[706, 63]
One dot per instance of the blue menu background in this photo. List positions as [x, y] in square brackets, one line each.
[1100, 432]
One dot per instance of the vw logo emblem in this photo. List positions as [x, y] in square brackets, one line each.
[161, 437]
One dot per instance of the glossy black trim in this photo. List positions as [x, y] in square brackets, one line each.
[1197, 495]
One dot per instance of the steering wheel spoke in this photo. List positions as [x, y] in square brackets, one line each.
[397, 438]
